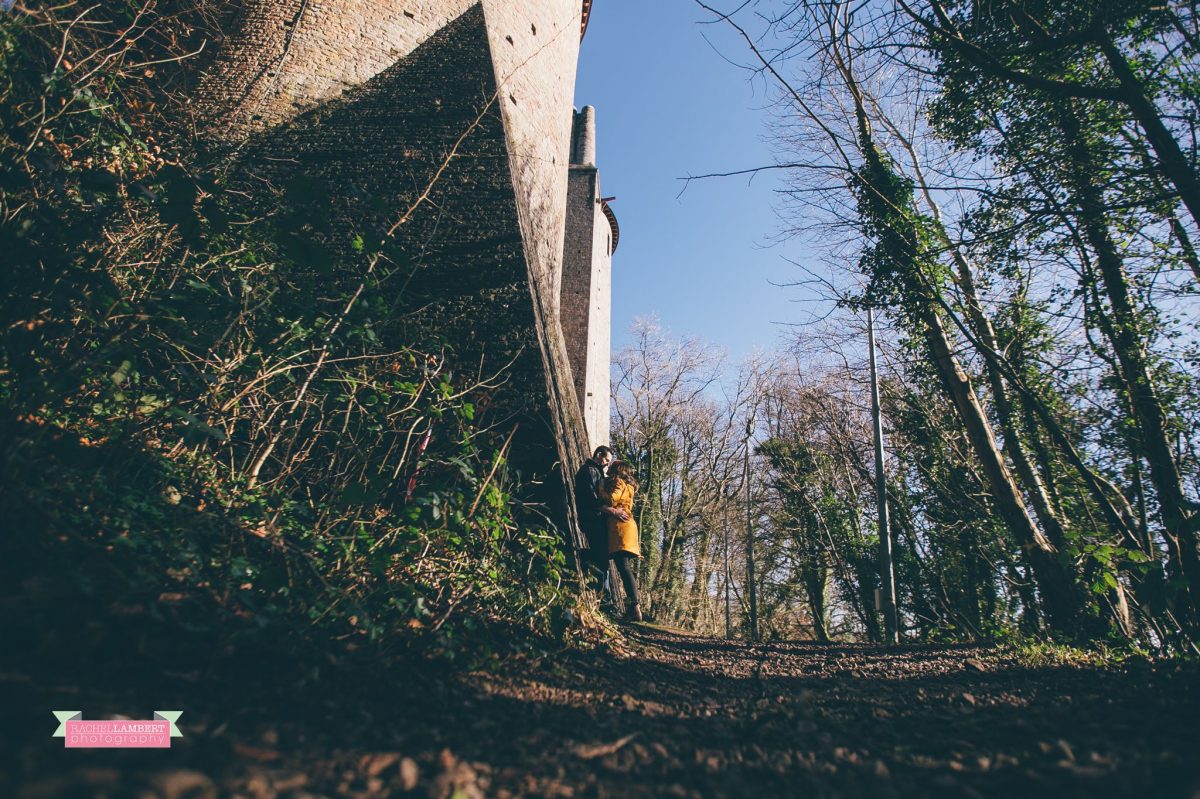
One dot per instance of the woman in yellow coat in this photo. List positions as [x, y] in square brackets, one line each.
[623, 545]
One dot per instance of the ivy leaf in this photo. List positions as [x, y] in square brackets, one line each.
[197, 425]
[122, 373]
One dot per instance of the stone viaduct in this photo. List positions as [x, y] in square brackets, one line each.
[462, 109]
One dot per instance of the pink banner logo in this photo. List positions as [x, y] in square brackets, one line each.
[153, 733]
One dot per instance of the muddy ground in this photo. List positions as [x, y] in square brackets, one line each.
[660, 714]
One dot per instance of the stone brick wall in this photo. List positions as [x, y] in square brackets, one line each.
[535, 48]
[285, 58]
[369, 97]
[575, 299]
[586, 298]
[597, 384]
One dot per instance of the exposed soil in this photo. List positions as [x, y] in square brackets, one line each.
[663, 714]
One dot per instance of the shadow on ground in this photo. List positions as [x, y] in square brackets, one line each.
[666, 715]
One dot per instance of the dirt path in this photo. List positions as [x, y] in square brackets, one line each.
[669, 715]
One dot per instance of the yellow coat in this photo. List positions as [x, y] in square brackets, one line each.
[622, 536]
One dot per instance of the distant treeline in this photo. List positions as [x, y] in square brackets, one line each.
[1013, 188]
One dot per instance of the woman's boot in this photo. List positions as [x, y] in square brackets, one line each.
[635, 612]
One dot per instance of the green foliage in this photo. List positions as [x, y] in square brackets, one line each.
[213, 390]
[1047, 654]
[1032, 248]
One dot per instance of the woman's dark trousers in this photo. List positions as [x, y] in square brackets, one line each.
[624, 563]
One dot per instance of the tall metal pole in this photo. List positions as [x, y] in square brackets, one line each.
[750, 543]
[728, 574]
[887, 572]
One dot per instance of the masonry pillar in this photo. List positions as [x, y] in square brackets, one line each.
[583, 144]
[586, 294]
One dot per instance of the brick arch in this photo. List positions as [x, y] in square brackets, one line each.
[612, 224]
[584, 17]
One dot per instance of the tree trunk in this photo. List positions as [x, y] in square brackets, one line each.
[1060, 595]
[815, 578]
[985, 333]
[1034, 487]
[1173, 163]
[1030, 619]
[906, 537]
[1178, 513]
[698, 593]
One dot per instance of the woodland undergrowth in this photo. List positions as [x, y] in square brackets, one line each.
[208, 425]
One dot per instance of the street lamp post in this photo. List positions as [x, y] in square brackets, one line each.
[887, 571]
[728, 574]
[750, 542]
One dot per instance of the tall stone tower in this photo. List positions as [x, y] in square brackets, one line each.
[451, 115]
[586, 300]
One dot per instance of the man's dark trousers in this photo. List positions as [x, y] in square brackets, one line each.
[592, 523]
[597, 555]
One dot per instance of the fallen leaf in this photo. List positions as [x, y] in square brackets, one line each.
[289, 783]
[256, 752]
[374, 765]
[183, 784]
[458, 779]
[409, 774]
[589, 752]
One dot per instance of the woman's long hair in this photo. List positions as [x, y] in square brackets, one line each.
[620, 470]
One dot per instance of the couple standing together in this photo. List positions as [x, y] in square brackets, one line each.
[604, 490]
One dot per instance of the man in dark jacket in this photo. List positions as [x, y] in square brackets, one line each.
[593, 514]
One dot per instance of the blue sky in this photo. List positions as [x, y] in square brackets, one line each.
[668, 105]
